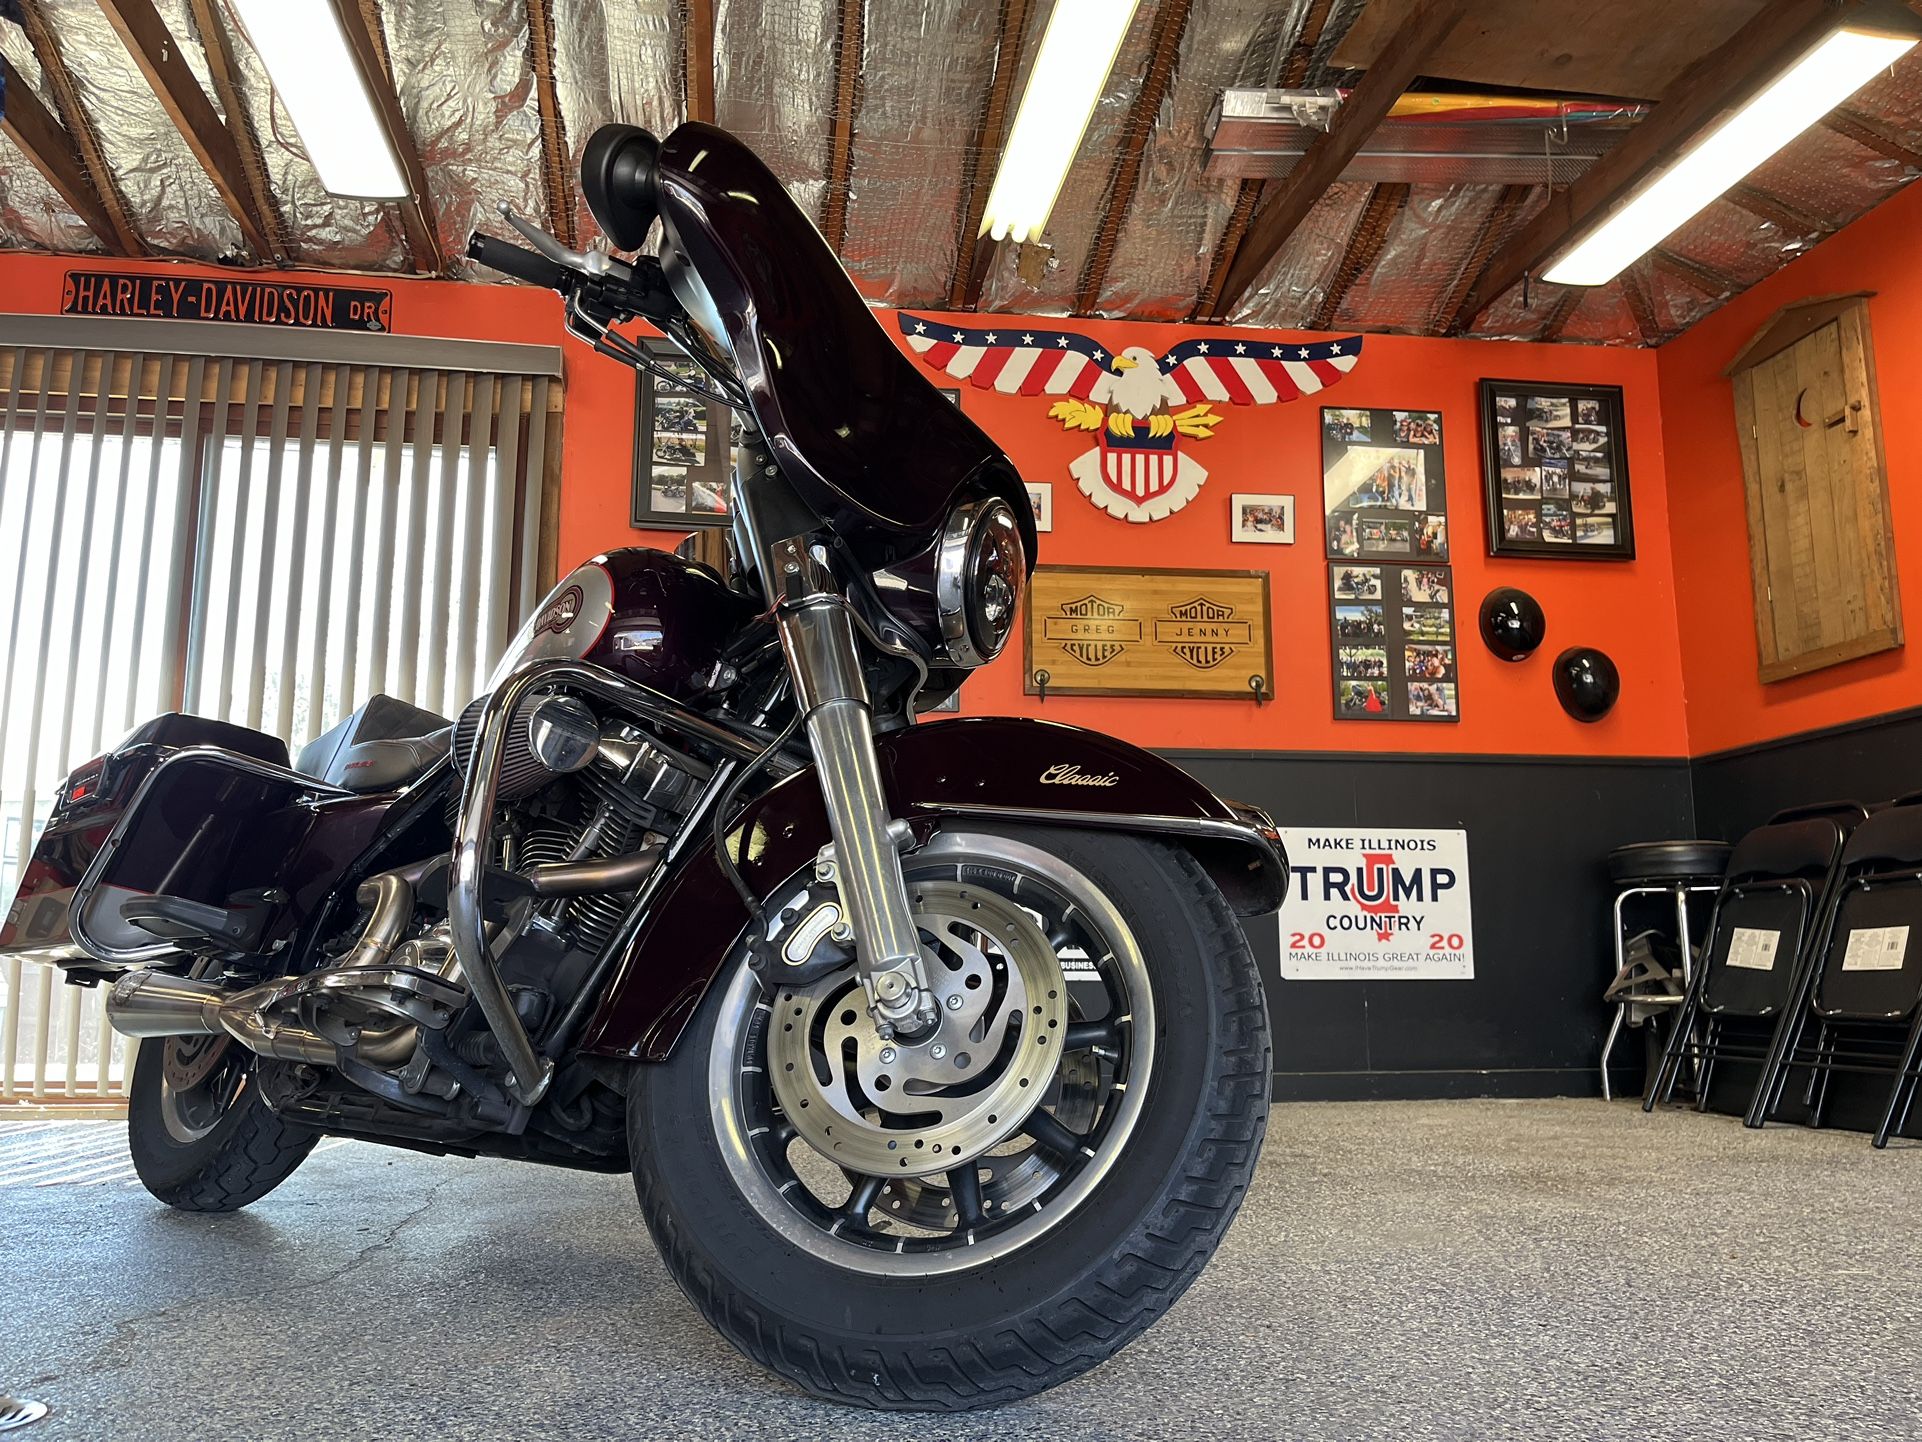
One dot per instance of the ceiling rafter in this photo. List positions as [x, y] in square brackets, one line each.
[1370, 234]
[1503, 216]
[697, 58]
[157, 53]
[71, 116]
[1561, 312]
[44, 140]
[221, 70]
[1164, 45]
[1718, 81]
[367, 36]
[1295, 195]
[1291, 71]
[974, 253]
[557, 161]
[1704, 278]
[1775, 210]
[1641, 305]
[1872, 134]
[850, 41]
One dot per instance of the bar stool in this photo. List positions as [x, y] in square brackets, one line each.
[1676, 869]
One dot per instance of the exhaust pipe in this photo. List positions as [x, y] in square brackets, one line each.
[149, 1003]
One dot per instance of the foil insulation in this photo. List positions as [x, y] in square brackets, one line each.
[1428, 244]
[466, 87]
[1287, 294]
[615, 61]
[774, 86]
[32, 214]
[926, 62]
[1049, 289]
[319, 229]
[1167, 240]
[171, 203]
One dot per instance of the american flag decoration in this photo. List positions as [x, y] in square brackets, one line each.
[1139, 406]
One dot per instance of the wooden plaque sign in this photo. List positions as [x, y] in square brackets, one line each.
[1092, 631]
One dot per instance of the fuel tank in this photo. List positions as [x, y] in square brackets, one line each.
[650, 615]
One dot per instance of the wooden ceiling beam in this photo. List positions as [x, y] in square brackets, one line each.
[368, 39]
[1329, 153]
[557, 161]
[1370, 234]
[1641, 305]
[1775, 210]
[44, 140]
[155, 50]
[1291, 72]
[223, 72]
[1561, 312]
[70, 116]
[851, 39]
[1720, 80]
[974, 253]
[1496, 228]
[1872, 134]
[1709, 281]
[697, 51]
[1164, 46]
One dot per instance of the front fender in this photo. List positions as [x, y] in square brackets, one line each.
[1036, 773]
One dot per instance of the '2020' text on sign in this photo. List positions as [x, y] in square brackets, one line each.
[1366, 904]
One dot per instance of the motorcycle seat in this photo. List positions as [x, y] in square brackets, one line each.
[383, 745]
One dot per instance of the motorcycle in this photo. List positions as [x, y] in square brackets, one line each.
[936, 1051]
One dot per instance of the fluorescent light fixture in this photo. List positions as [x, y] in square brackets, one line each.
[1821, 80]
[1077, 52]
[319, 80]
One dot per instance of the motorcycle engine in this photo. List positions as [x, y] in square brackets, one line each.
[599, 797]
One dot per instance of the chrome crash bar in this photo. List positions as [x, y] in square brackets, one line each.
[529, 1073]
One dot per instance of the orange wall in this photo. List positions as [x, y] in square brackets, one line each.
[1626, 608]
[1727, 705]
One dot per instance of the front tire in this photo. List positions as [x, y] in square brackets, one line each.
[203, 1139]
[999, 1317]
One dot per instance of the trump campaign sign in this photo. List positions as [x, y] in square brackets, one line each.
[1366, 904]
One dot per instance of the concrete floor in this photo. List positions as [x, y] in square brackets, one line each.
[1445, 1270]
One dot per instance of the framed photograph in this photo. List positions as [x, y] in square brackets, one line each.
[1384, 494]
[1393, 635]
[1265, 520]
[1041, 498]
[683, 450]
[1555, 471]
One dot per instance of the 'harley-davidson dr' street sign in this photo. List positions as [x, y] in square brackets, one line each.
[240, 302]
[1092, 631]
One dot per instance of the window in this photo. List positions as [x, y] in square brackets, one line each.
[681, 473]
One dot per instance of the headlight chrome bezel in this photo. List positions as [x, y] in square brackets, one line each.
[980, 543]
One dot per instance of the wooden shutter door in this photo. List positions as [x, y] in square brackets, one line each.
[1819, 534]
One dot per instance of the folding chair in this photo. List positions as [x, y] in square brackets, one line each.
[1858, 1008]
[1758, 941]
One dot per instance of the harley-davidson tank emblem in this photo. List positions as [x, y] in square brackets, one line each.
[1203, 633]
[1092, 630]
[561, 612]
[1067, 773]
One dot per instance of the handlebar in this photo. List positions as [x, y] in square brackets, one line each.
[520, 263]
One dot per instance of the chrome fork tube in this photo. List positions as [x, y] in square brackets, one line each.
[817, 636]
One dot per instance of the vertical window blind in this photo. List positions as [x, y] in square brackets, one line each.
[266, 541]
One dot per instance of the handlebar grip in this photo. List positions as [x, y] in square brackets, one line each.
[522, 264]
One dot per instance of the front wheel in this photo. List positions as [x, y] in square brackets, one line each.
[968, 1217]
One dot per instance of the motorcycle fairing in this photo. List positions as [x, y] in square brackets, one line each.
[979, 768]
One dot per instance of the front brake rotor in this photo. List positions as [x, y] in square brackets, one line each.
[921, 1106]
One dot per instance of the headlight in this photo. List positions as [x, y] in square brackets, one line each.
[978, 579]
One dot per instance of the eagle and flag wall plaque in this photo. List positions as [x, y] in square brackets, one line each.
[1093, 631]
[1144, 410]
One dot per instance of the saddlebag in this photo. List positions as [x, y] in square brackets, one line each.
[186, 835]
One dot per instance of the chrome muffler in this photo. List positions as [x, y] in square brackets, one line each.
[150, 1003]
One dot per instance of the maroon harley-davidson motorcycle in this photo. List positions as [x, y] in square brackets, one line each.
[936, 1051]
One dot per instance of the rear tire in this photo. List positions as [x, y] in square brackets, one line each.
[231, 1152]
[1019, 1320]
